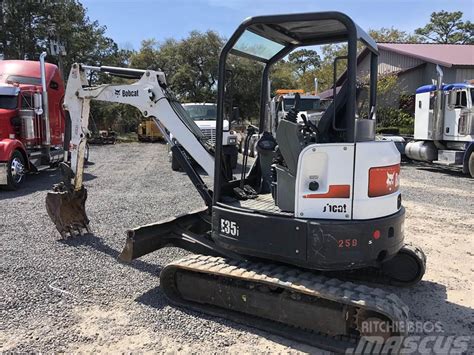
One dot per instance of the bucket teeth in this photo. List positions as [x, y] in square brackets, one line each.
[66, 208]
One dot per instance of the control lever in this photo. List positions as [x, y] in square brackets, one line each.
[244, 192]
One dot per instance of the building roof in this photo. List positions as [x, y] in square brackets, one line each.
[443, 54]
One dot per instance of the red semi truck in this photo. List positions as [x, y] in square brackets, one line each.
[32, 120]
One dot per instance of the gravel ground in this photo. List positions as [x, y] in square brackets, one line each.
[74, 296]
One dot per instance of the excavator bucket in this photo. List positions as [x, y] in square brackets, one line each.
[67, 209]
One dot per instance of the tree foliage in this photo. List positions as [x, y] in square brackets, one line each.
[447, 27]
[390, 117]
[304, 60]
[27, 27]
[392, 35]
[191, 68]
[191, 64]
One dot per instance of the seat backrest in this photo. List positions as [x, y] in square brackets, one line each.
[288, 139]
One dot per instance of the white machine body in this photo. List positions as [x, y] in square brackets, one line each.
[356, 181]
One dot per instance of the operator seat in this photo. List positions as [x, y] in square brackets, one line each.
[290, 142]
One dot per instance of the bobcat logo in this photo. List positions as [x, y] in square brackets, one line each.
[392, 181]
[117, 92]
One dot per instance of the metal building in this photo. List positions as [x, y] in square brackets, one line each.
[415, 64]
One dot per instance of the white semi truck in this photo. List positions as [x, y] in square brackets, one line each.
[204, 115]
[444, 125]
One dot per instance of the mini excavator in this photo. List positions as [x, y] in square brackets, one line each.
[289, 245]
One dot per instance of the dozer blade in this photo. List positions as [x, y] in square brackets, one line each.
[66, 208]
[189, 231]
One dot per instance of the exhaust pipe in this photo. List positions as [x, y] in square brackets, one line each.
[438, 126]
[47, 137]
[315, 86]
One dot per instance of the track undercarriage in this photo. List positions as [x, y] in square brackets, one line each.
[301, 305]
[323, 309]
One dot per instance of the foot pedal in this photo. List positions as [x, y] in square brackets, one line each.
[240, 194]
[251, 193]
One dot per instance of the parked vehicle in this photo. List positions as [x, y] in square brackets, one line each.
[148, 131]
[106, 136]
[32, 120]
[312, 108]
[204, 115]
[444, 125]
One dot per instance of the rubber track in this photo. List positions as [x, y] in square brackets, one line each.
[293, 279]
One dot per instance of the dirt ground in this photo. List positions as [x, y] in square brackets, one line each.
[73, 296]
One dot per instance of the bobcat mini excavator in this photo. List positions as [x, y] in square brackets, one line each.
[283, 246]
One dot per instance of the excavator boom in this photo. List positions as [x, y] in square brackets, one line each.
[66, 203]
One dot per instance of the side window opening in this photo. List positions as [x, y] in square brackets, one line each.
[462, 99]
[27, 102]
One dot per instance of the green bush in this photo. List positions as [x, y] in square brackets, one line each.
[389, 117]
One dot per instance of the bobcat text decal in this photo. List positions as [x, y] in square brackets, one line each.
[126, 93]
[335, 208]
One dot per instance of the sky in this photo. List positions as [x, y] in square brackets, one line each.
[129, 22]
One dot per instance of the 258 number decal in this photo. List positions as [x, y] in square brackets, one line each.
[347, 243]
[229, 227]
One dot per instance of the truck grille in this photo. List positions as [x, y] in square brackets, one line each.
[209, 134]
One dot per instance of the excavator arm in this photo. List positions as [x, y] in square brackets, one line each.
[150, 95]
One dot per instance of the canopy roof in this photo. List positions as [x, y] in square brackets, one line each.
[263, 37]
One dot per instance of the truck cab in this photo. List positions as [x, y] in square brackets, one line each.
[204, 115]
[312, 106]
[444, 126]
[32, 121]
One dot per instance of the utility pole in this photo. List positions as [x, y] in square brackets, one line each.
[2, 30]
[56, 47]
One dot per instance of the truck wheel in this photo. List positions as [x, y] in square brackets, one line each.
[16, 171]
[175, 164]
[471, 165]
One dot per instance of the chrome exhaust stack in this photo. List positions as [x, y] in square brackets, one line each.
[438, 115]
[47, 135]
